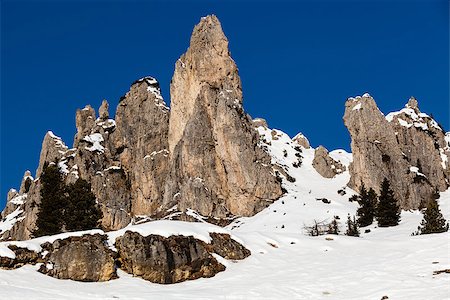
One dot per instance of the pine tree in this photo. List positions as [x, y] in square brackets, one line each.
[367, 201]
[433, 221]
[82, 212]
[352, 227]
[50, 215]
[388, 211]
[333, 227]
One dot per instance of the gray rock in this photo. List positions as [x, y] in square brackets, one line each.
[325, 165]
[391, 147]
[85, 258]
[166, 260]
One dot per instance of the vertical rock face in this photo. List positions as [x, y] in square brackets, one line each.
[407, 147]
[216, 167]
[325, 165]
[141, 140]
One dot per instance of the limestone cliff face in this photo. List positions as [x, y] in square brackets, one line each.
[149, 161]
[141, 140]
[407, 147]
[216, 167]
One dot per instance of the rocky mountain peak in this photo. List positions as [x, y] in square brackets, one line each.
[412, 103]
[394, 147]
[103, 110]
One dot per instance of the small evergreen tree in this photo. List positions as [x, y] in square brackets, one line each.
[388, 211]
[333, 227]
[82, 212]
[433, 221]
[352, 227]
[50, 214]
[367, 201]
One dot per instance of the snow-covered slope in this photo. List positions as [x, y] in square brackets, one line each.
[285, 262]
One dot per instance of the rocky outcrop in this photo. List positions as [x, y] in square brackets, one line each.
[407, 147]
[166, 260]
[141, 140]
[225, 246]
[302, 140]
[325, 165]
[202, 155]
[85, 258]
[22, 256]
[216, 167]
[175, 258]
[53, 148]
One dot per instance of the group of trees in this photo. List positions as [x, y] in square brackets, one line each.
[385, 209]
[65, 207]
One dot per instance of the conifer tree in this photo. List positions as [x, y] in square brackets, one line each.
[352, 227]
[333, 227]
[388, 211]
[367, 201]
[433, 221]
[82, 212]
[50, 215]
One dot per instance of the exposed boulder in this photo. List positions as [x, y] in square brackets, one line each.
[166, 260]
[216, 167]
[22, 256]
[84, 258]
[325, 165]
[407, 147]
[226, 247]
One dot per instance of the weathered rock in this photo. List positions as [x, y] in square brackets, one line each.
[216, 167]
[406, 147]
[53, 149]
[325, 165]
[26, 182]
[226, 247]
[85, 258]
[103, 112]
[142, 131]
[85, 121]
[302, 140]
[23, 256]
[166, 260]
[259, 122]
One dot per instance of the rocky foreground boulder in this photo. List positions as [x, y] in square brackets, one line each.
[85, 258]
[153, 257]
[202, 154]
[408, 147]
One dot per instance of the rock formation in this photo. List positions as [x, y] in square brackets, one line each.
[153, 257]
[215, 167]
[201, 155]
[166, 260]
[407, 147]
[302, 140]
[85, 258]
[325, 165]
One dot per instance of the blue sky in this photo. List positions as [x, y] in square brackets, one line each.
[298, 60]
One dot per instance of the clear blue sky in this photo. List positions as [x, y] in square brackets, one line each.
[298, 60]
